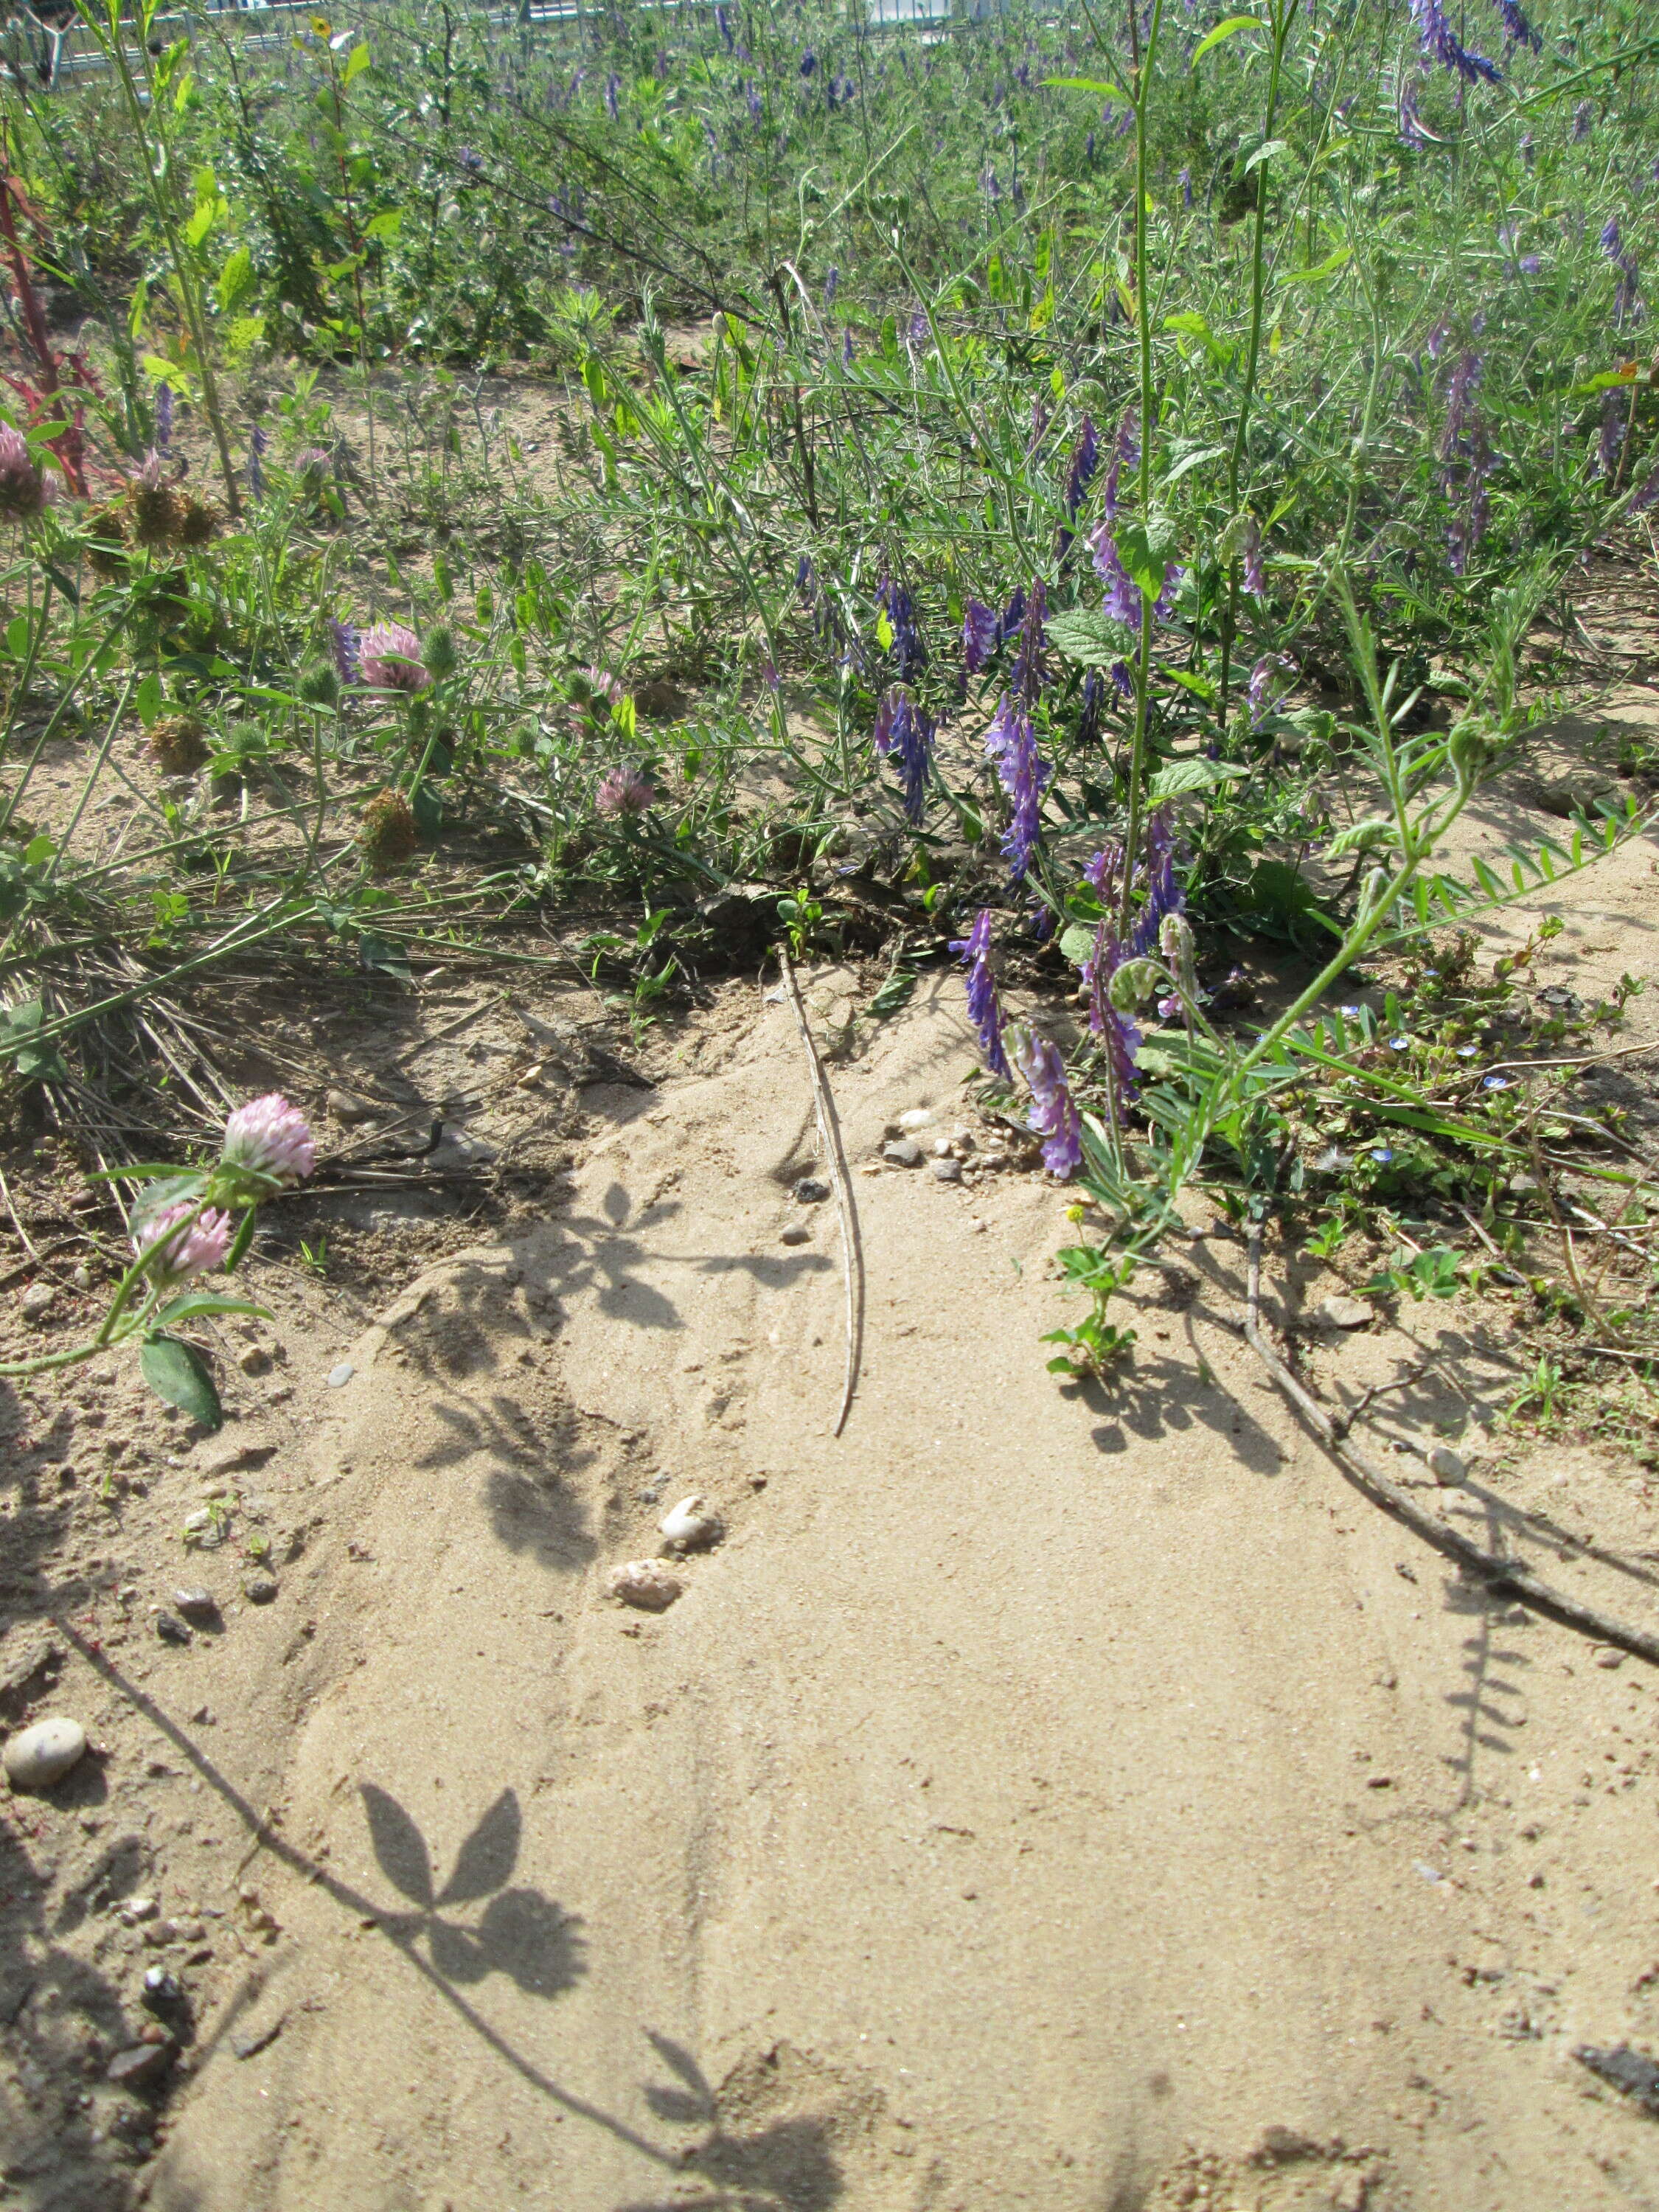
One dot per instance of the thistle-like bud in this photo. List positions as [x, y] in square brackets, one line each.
[319, 684]
[1131, 985]
[1374, 891]
[1470, 754]
[1176, 940]
[439, 651]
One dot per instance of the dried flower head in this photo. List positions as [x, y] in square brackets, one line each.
[178, 744]
[390, 653]
[107, 540]
[195, 520]
[388, 835]
[154, 510]
[183, 1251]
[268, 1136]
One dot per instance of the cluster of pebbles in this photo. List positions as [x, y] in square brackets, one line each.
[954, 1155]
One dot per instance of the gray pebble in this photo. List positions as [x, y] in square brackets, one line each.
[36, 1757]
[948, 1170]
[259, 1590]
[142, 2063]
[796, 1236]
[195, 1604]
[902, 1152]
[171, 1629]
[36, 1301]
[340, 1375]
[810, 1191]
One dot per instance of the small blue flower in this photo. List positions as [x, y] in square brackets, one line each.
[1494, 1083]
[1382, 1154]
[1467, 1051]
[1399, 1044]
[1350, 1013]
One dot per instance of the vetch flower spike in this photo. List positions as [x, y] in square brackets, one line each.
[984, 1007]
[1054, 1115]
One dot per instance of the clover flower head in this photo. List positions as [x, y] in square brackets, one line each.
[391, 655]
[181, 1252]
[624, 791]
[268, 1136]
[22, 481]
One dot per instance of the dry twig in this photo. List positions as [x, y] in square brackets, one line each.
[1512, 1577]
[823, 1106]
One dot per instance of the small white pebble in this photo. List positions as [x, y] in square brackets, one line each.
[340, 1375]
[916, 1117]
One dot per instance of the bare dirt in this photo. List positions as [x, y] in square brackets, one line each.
[1041, 1796]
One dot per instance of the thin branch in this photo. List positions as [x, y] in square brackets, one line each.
[1512, 1577]
[824, 1105]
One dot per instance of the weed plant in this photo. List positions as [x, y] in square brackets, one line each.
[1074, 492]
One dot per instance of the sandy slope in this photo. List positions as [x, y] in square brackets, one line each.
[1038, 1800]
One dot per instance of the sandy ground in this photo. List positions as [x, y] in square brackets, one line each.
[1040, 1797]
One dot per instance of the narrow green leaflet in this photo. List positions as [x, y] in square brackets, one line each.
[1229, 28]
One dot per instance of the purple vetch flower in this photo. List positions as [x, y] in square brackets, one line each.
[164, 418]
[345, 643]
[1516, 29]
[908, 648]
[22, 481]
[1030, 672]
[1085, 460]
[1611, 240]
[1268, 678]
[831, 286]
[770, 676]
[723, 25]
[904, 732]
[1435, 343]
[984, 1007]
[1528, 149]
[1054, 1115]
[1249, 547]
[1530, 263]
[1100, 873]
[1092, 706]
[268, 1136]
[1645, 496]
[613, 95]
[757, 105]
[1119, 1036]
[1408, 122]
[626, 792]
[1123, 601]
[809, 62]
[1089, 149]
[1442, 45]
[1011, 743]
[180, 1251]
[1165, 895]
[1460, 396]
[1626, 307]
[1186, 182]
[846, 354]
[1610, 445]
[471, 160]
[390, 658]
[981, 634]
[1126, 454]
[1012, 615]
[1583, 121]
[1123, 681]
[806, 582]
[256, 452]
